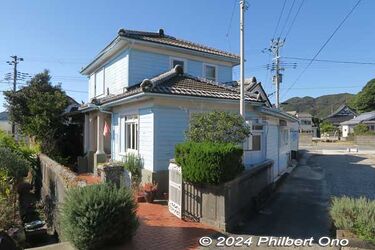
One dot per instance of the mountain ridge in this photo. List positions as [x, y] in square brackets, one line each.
[320, 106]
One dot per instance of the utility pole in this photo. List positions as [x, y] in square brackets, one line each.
[276, 44]
[243, 7]
[16, 60]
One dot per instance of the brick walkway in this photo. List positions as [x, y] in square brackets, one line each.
[159, 229]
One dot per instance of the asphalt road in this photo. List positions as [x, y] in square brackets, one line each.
[299, 208]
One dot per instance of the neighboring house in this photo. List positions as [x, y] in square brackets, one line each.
[5, 125]
[145, 86]
[342, 114]
[367, 118]
[306, 124]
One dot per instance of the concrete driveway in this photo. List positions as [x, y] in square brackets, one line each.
[299, 209]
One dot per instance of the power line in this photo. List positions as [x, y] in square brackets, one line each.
[343, 87]
[278, 21]
[294, 19]
[330, 61]
[323, 46]
[287, 18]
[231, 18]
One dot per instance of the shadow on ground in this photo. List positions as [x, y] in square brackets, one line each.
[299, 208]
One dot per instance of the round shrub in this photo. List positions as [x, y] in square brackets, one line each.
[209, 163]
[98, 215]
[218, 127]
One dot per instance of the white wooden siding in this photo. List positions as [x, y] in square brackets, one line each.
[91, 87]
[146, 137]
[273, 147]
[115, 134]
[116, 73]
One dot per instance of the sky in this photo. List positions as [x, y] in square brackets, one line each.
[63, 36]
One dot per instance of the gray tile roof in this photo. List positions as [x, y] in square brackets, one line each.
[161, 38]
[175, 82]
[362, 118]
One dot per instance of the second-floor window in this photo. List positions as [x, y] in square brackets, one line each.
[210, 72]
[178, 61]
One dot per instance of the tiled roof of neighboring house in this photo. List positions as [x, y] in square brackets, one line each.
[250, 85]
[3, 116]
[342, 111]
[161, 38]
[175, 82]
[362, 118]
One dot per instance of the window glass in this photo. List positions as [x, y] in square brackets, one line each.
[256, 143]
[210, 72]
[131, 133]
[178, 62]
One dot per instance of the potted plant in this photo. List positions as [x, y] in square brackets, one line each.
[149, 190]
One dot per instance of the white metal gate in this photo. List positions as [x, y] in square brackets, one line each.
[175, 190]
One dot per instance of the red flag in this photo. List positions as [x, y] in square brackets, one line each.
[106, 130]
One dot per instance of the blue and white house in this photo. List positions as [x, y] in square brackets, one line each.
[143, 88]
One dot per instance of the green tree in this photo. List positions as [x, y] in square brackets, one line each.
[362, 129]
[327, 127]
[364, 101]
[37, 109]
[217, 127]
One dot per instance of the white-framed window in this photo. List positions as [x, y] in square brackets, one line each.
[285, 136]
[178, 61]
[99, 82]
[210, 72]
[254, 141]
[129, 134]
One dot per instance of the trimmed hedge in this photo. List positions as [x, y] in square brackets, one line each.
[93, 217]
[209, 163]
[356, 215]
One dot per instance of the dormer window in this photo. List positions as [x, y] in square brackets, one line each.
[210, 72]
[178, 61]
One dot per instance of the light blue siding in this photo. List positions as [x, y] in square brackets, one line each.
[224, 74]
[170, 125]
[146, 65]
[195, 68]
[146, 137]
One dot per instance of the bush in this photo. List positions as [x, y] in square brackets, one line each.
[327, 128]
[356, 215]
[362, 129]
[13, 164]
[219, 127]
[99, 215]
[209, 163]
[134, 163]
[8, 218]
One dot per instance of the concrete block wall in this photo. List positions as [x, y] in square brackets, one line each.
[224, 206]
[366, 140]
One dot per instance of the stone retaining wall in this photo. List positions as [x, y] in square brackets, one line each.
[56, 180]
